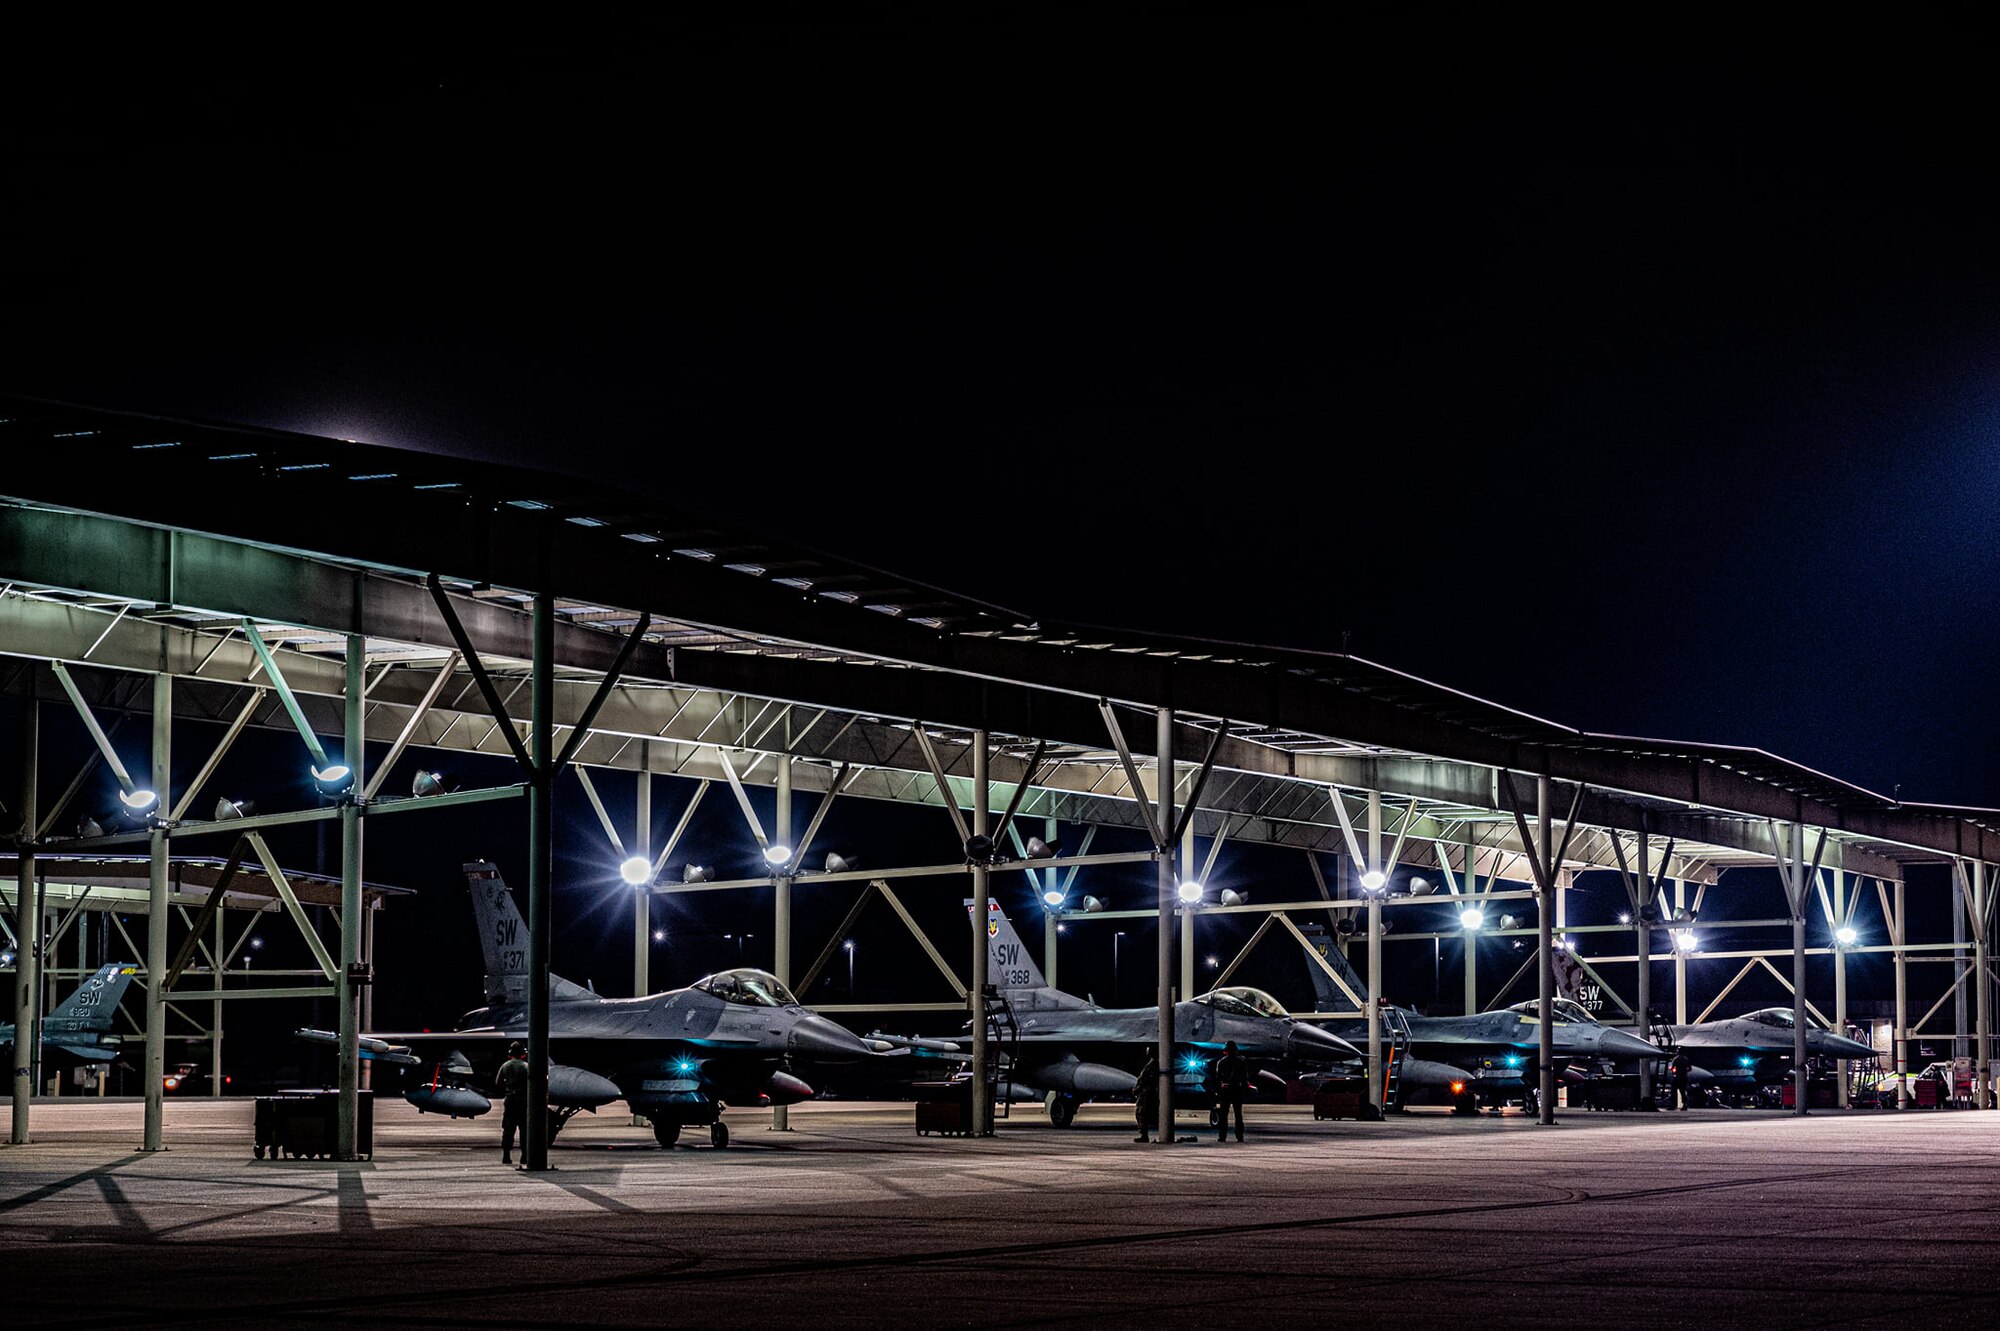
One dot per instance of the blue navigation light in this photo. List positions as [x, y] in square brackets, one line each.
[1192, 1063]
[684, 1065]
[1746, 1061]
[1513, 1060]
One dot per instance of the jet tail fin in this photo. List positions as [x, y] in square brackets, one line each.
[1008, 962]
[503, 934]
[90, 1005]
[1327, 994]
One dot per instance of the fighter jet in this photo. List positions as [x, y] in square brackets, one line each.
[737, 1038]
[1488, 1056]
[1756, 1049]
[78, 1026]
[1069, 1049]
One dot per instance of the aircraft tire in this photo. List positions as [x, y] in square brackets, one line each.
[718, 1135]
[666, 1134]
[1062, 1110]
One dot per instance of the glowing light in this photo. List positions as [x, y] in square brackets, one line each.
[1192, 1063]
[1845, 936]
[137, 799]
[1373, 880]
[1685, 941]
[1746, 1061]
[1190, 892]
[1513, 1060]
[684, 1065]
[778, 855]
[1624, 917]
[1458, 1088]
[659, 935]
[332, 777]
[636, 870]
[1472, 917]
[1052, 898]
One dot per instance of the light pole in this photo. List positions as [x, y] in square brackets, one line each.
[849, 948]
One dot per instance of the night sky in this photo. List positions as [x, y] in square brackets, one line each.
[1638, 374]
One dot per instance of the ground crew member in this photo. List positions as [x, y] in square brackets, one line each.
[1146, 1095]
[1677, 1072]
[512, 1082]
[1232, 1086]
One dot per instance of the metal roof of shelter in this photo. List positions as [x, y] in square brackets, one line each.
[173, 531]
[119, 882]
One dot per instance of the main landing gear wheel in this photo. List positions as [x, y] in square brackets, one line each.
[666, 1134]
[1062, 1110]
[718, 1134]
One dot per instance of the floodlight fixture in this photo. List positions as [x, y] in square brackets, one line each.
[1231, 897]
[1472, 917]
[1845, 935]
[696, 873]
[1190, 892]
[1624, 917]
[138, 800]
[836, 863]
[1092, 905]
[1374, 880]
[1039, 849]
[333, 778]
[636, 870]
[1052, 897]
[425, 784]
[778, 855]
[227, 810]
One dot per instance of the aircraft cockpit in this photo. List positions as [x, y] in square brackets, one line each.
[1561, 1009]
[1243, 1001]
[1780, 1017]
[749, 986]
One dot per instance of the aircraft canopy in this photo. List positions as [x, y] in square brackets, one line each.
[747, 985]
[1243, 1001]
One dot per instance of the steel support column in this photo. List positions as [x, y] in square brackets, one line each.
[1680, 959]
[1902, 1034]
[541, 865]
[1050, 924]
[781, 928]
[215, 1014]
[1960, 1043]
[1642, 908]
[1377, 1083]
[27, 946]
[1164, 953]
[1840, 974]
[1187, 916]
[982, 886]
[352, 967]
[642, 895]
[1982, 1074]
[1545, 1095]
[156, 917]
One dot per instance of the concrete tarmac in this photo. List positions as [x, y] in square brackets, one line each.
[1722, 1218]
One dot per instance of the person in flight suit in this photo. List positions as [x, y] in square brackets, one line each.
[1232, 1087]
[512, 1082]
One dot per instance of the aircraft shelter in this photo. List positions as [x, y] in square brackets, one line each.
[384, 604]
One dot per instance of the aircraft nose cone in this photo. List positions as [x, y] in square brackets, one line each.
[816, 1037]
[1314, 1045]
[1619, 1044]
[1839, 1046]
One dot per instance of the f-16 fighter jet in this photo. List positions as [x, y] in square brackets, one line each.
[735, 1038]
[1070, 1049]
[1484, 1056]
